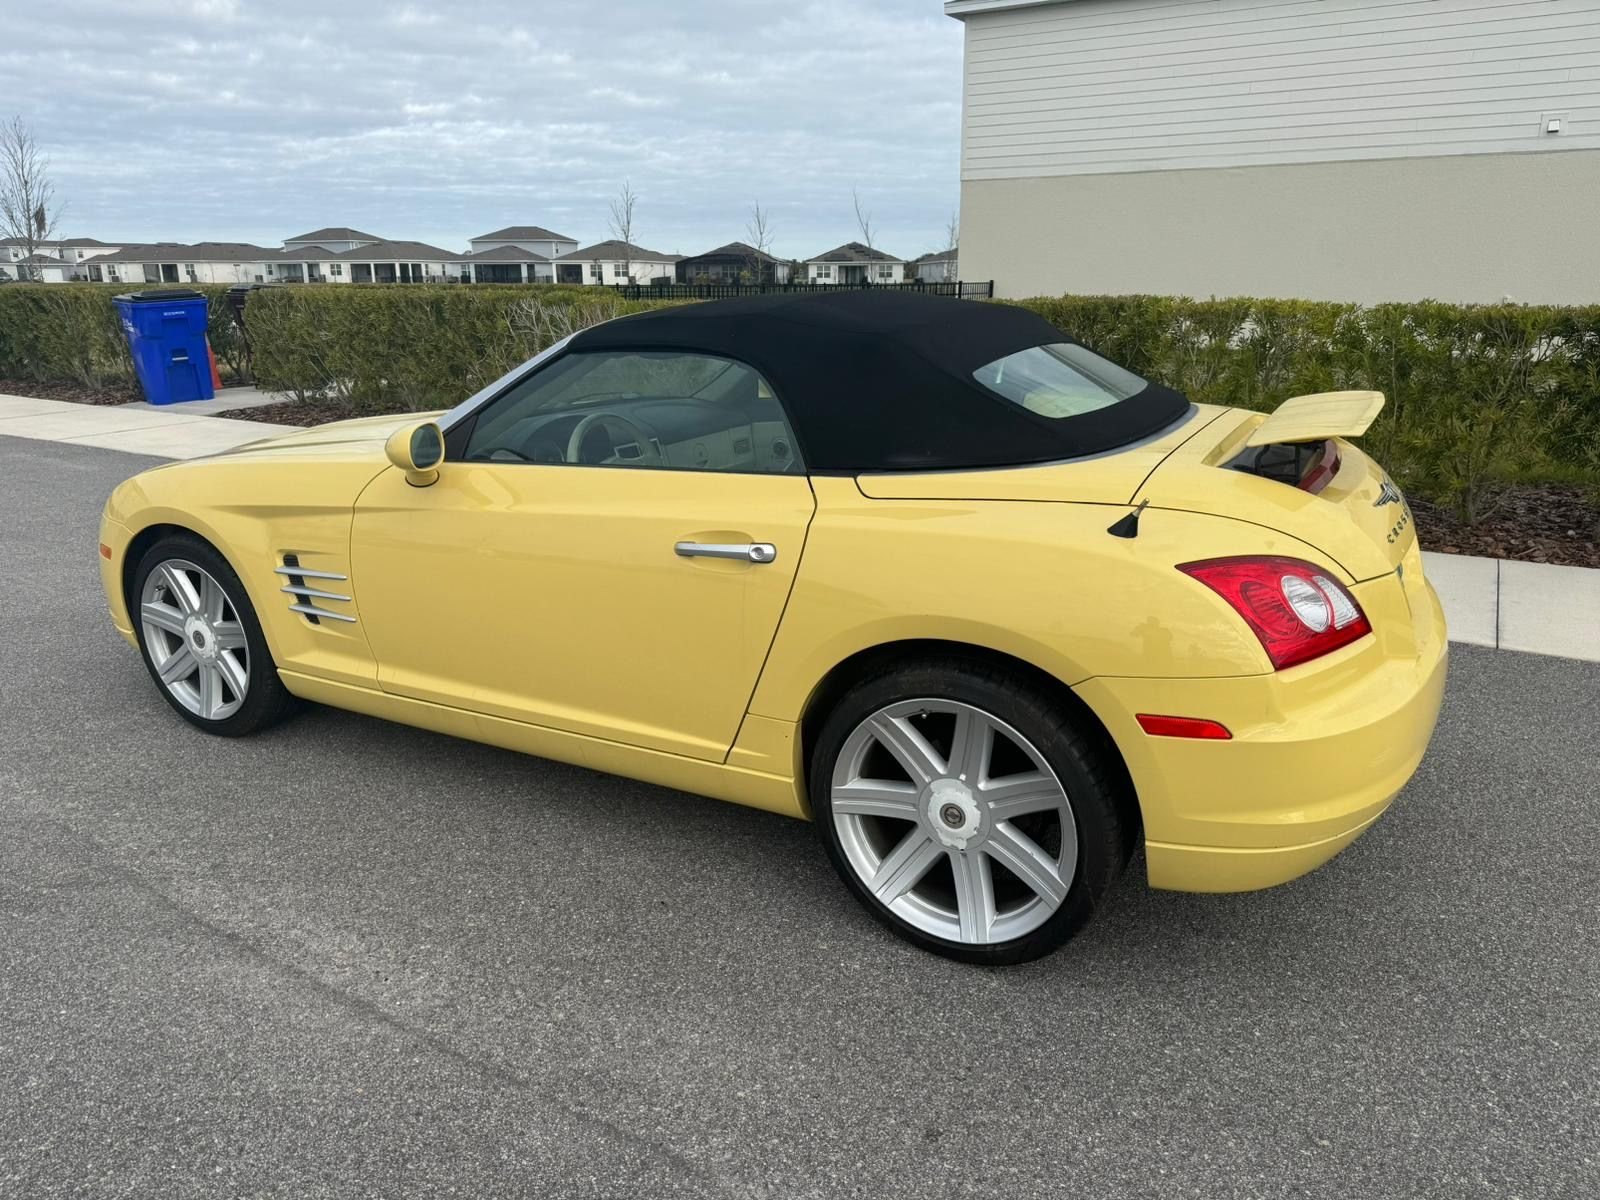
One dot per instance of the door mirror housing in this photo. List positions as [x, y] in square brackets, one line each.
[417, 450]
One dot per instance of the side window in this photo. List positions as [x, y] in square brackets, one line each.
[645, 409]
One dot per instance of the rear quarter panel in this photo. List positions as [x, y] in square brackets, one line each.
[1041, 581]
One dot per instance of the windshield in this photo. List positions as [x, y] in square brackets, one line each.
[1059, 380]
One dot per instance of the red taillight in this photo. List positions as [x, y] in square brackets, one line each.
[1295, 609]
[1184, 727]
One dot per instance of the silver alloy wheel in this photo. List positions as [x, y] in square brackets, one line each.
[194, 639]
[916, 787]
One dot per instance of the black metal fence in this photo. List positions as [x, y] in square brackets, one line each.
[722, 291]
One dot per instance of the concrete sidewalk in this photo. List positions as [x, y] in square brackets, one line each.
[1507, 605]
[170, 432]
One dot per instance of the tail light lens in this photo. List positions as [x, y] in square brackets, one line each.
[1294, 608]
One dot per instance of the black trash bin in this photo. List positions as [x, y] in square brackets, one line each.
[238, 297]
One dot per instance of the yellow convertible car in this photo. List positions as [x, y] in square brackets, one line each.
[990, 610]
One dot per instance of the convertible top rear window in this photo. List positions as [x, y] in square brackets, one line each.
[1059, 380]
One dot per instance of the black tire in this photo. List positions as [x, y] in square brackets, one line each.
[266, 701]
[1095, 784]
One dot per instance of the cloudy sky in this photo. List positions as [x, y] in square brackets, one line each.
[254, 120]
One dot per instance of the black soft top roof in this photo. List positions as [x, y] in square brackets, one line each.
[882, 381]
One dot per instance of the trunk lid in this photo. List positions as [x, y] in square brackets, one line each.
[1357, 517]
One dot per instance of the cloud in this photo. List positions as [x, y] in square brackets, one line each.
[256, 119]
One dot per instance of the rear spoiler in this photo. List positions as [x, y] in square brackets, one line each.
[1319, 417]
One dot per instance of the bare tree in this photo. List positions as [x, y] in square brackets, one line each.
[863, 219]
[952, 232]
[759, 230]
[622, 225]
[28, 208]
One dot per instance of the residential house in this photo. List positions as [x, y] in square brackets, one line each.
[855, 263]
[615, 262]
[937, 267]
[68, 252]
[391, 262]
[306, 263]
[736, 262]
[504, 264]
[180, 263]
[534, 238]
[37, 268]
[1354, 150]
[337, 238]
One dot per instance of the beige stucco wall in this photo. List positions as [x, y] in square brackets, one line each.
[1468, 228]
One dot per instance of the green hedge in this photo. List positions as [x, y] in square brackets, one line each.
[410, 347]
[70, 333]
[1477, 394]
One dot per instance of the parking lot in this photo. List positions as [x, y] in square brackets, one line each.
[349, 958]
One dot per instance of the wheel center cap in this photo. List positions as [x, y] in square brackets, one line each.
[200, 638]
[953, 812]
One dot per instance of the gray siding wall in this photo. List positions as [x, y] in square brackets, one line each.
[1102, 86]
[1476, 227]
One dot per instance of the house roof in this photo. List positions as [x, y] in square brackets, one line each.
[504, 254]
[397, 252]
[16, 241]
[739, 250]
[523, 233]
[229, 252]
[854, 252]
[620, 251]
[935, 256]
[41, 260]
[306, 254]
[335, 233]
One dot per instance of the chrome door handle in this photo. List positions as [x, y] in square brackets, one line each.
[756, 552]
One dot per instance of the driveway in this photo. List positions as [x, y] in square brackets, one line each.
[351, 959]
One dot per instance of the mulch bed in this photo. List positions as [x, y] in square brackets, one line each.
[303, 412]
[112, 393]
[1545, 523]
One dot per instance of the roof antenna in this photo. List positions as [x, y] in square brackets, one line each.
[1128, 526]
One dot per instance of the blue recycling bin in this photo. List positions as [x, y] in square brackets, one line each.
[166, 332]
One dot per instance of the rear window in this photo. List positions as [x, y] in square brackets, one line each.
[1059, 380]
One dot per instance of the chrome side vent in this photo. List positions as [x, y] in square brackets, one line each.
[303, 596]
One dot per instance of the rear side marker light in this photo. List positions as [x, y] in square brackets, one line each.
[1295, 609]
[1184, 727]
[105, 550]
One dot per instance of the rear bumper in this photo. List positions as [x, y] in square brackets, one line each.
[1318, 752]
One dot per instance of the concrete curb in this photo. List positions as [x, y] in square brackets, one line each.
[1532, 607]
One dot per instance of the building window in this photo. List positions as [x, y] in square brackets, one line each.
[188, 269]
[268, 268]
[335, 268]
[885, 271]
[824, 270]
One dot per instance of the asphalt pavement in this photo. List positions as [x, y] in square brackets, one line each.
[347, 958]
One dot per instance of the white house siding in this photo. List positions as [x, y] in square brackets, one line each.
[1294, 147]
[830, 272]
[616, 270]
[546, 247]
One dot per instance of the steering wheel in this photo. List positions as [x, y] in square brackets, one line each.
[613, 422]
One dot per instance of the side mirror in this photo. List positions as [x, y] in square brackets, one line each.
[417, 450]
